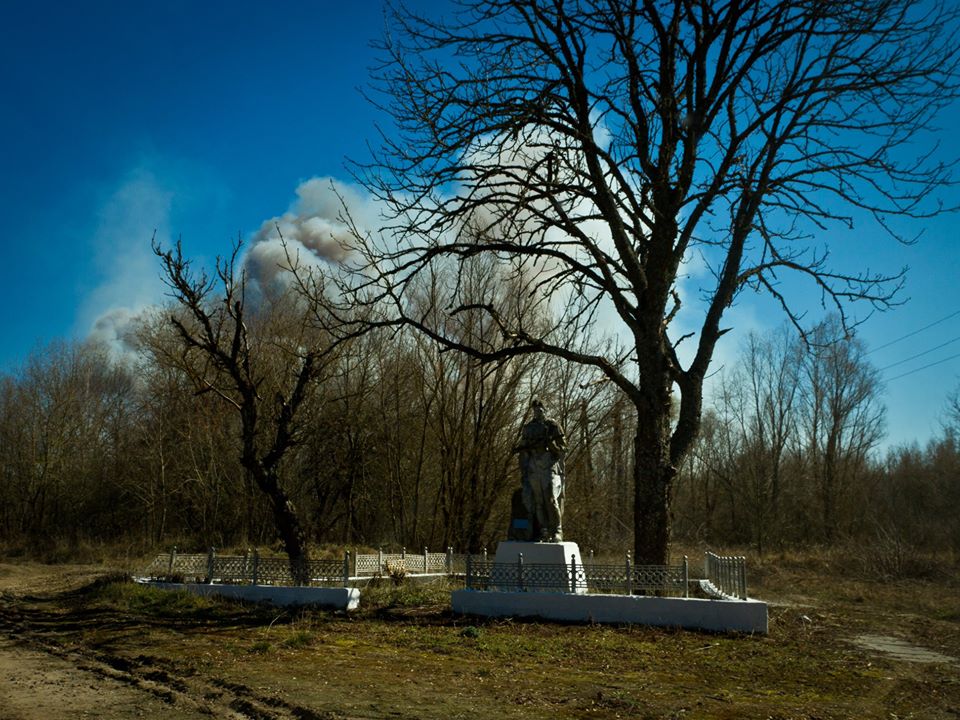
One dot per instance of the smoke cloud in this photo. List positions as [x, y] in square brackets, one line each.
[314, 231]
[130, 284]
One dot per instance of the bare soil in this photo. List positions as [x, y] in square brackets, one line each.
[75, 642]
[903, 650]
[48, 671]
[41, 676]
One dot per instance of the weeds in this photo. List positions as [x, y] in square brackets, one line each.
[299, 639]
[379, 597]
[147, 601]
[397, 572]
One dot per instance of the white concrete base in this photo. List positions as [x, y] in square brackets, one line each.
[566, 554]
[749, 616]
[284, 596]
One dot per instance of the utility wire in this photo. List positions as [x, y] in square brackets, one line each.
[920, 354]
[916, 370]
[915, 332]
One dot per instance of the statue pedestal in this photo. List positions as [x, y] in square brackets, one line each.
[538, 567]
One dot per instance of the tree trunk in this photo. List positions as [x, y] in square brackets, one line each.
[653, 477]
[288, 528]
[654, 471]
[293, 538]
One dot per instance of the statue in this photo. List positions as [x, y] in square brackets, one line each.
[541, 450]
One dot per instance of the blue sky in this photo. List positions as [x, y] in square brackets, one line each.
[202, 120]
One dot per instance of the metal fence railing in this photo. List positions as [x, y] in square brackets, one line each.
[426, 562]
[248, 569]
[626, 578]
[726, 575]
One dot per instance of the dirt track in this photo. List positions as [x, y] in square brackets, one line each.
[43, 677]
[73, 647]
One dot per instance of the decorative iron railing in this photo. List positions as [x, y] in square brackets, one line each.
[725, 576]
[426, 563]
[250, 568]
[626, 578]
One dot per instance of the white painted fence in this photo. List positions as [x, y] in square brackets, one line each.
[426, 563]
[726, 575]
[247, 569]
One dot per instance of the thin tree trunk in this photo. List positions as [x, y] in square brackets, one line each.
[288, 527]
[284, 514]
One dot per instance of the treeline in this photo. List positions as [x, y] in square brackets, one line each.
[788, 456]
[398, 443]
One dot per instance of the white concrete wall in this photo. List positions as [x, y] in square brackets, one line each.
[338, 598]
[563, 556]
[748, 616]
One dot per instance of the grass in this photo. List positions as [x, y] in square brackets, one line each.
[384, 596]
[126, 596]
[405, 655]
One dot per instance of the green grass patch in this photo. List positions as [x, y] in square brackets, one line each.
[298, 639]
[147, 600]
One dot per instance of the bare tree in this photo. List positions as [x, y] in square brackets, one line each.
[841, 415]
[705, 477]
[593, 146]
[64, 445]
[220, 354]
[190, 484]
[951, 414]
[769, 379]
[475, 410]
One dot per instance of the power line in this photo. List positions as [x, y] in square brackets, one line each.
[916, 370]
[920, 354]
[915, 332]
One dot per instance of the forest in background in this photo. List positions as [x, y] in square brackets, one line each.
[399, 443]
[560, 177]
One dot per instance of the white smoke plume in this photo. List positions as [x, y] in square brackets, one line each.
[314, 230]
[130, 283]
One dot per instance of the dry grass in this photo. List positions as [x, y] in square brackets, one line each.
[405, 655]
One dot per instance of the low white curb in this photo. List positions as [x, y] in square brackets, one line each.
[749, 616]
[284, 596]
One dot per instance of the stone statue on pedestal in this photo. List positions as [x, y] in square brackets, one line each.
[541, 451]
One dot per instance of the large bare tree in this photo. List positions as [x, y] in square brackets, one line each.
[224, 356]
[594, 146]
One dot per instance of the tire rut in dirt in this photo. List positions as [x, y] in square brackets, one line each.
[179, 687]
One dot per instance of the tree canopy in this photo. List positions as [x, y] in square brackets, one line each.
[595, 147]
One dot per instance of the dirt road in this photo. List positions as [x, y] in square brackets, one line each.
[75, 644]
[44, 675]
